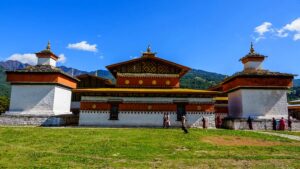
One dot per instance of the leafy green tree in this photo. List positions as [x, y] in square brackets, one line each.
[4, 104]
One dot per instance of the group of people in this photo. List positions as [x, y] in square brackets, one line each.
[167, 122]
[282, 124]
[276, 125]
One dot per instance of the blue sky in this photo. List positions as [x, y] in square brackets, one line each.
[210, 35]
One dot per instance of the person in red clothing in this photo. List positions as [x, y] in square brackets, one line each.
[219, 122]
[282, 124]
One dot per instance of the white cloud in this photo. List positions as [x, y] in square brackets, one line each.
[293, 26]
[297, 36]
[62, 58]
[28, 58]
[83, 45]
[31, 58]
[263, 28]
[281, 33]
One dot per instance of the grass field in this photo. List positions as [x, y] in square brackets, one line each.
[143, 148]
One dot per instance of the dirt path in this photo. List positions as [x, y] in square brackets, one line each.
[292, 137]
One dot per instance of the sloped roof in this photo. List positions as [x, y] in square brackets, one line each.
[184, 69]
[108, 81]
[42, 69]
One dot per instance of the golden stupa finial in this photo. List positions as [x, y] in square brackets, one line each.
[149, 49]
[48, 45]
[252, 49]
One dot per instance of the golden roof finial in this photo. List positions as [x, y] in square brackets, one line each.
[48, 45]
[251, 48]
[149, 49]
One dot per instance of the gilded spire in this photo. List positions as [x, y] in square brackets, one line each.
[252, 49]
[148, 52]
[149, 49]
[48, 45]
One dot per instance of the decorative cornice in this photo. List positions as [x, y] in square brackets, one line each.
[147, 75]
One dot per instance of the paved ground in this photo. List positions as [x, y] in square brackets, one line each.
[292, 137]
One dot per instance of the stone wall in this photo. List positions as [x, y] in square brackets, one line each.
[23, 120]
[258, 124]
[142, 119]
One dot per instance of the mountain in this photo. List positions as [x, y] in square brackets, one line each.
[75, 72]
[199, 79]
[12, 65]
[72, 71]
[297, 83]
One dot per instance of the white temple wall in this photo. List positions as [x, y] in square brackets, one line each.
[38, 100]
[46, 61]
[253, 65]
[258, 103]
[142, 119]
[31, 99]
[62, 100]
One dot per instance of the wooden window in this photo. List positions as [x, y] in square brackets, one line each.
[180, 111]
[114, 111]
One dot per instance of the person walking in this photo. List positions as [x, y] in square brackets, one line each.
[290, 123]
[168, 121]
[250, 123]
[274, 123]
[183, 125]
[164, 120]
[204, 123]
[218, 122]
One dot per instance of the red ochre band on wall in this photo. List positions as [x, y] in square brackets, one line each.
[146, 107]
[166, 82]
[253, 81]
[61, 79]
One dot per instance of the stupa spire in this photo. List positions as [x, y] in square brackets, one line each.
[148, 52]
[252, 48]
[149, 49]
[48, 45]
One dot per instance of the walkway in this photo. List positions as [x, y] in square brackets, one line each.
[292, 137]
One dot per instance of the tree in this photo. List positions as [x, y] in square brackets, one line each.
[4, 104]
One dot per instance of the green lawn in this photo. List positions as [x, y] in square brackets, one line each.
[31, 147]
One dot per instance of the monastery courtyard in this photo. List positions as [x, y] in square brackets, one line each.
[36, 147]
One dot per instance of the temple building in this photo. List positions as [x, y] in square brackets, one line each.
[143, 91]
[146, 88]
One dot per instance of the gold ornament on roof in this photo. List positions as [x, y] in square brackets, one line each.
[148, 52]
[48, 45]
[149, 49]
[252, 49]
